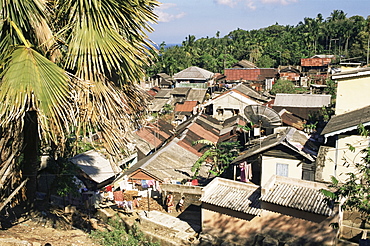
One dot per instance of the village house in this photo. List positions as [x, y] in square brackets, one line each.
[287, 153]
[194, 77]
[316, 68]
[335, 158]
[284, 210]
[259, 78]
[232, 102]
[305, 106]
[291, 73]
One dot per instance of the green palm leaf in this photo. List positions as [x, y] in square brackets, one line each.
[30, 82]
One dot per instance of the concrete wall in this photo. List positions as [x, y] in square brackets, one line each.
[192, 193]
[352, 93]
[339, 161]
[284, 228]
[269, 168]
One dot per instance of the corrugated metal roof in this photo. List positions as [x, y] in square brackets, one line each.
[95, 165]
[172, 161]
[302, 100]
[196, 94]
[194, 73]
[187, 106]
[301, 195]
[157, 104]
[347, 121]
[290, 138]
[234, 195]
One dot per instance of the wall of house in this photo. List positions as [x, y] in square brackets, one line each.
[339, 161]
[288, 229]
[352, 93]
[229, 103]
[269, 168]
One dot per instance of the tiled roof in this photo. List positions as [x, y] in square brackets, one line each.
[234, 195]
[302, 100]
[194, 73]
[301, 195]
[347, 121]
[187, 106]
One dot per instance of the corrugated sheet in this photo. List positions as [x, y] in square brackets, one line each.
[233, 195]
[347, 121]
[95, 165]
[298, 197]
[194, 73]
[315, 62]
[302, 100]
[187, 106]
[196, 95]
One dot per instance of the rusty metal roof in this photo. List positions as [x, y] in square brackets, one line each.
[234, 195]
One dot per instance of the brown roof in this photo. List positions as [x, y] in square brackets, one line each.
[187, 106]
[252, 74]
[203, 133]
[244, 64]
[315, 62]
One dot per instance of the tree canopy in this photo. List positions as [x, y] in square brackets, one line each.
[272, 46]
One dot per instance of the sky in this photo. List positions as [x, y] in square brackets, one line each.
[204, 18]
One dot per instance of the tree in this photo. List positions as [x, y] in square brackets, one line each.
[354, 193]
[218, 155]
[69, 69]
[284, 86]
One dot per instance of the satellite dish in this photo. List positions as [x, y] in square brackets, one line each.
[262, 116]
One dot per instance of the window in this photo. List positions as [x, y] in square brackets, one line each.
[282, 169]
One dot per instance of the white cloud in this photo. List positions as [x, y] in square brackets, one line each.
[283, 2]
[167, 16]
[251, 4]
[230, 3]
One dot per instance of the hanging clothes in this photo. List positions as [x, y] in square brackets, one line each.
[245, 171]
[144, 184]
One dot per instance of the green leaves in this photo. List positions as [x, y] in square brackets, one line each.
[32, 82]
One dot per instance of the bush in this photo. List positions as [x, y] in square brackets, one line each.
[119, 237]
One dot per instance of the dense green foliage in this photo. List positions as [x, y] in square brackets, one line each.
[218, 155]
[118, 236]
[271, 46]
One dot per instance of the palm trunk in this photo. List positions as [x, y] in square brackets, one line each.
[30, 153]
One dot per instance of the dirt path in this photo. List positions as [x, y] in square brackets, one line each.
[37, 235]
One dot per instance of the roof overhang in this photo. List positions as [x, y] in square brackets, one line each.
[347, 129]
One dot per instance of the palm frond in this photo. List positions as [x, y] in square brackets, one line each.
[40, 86]
[107, 37]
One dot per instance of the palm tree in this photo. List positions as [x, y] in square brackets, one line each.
[218, 155]
[69, 69]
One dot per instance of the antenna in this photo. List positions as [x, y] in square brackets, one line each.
[262, 116]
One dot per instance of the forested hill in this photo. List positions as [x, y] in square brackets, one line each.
[338, 34]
